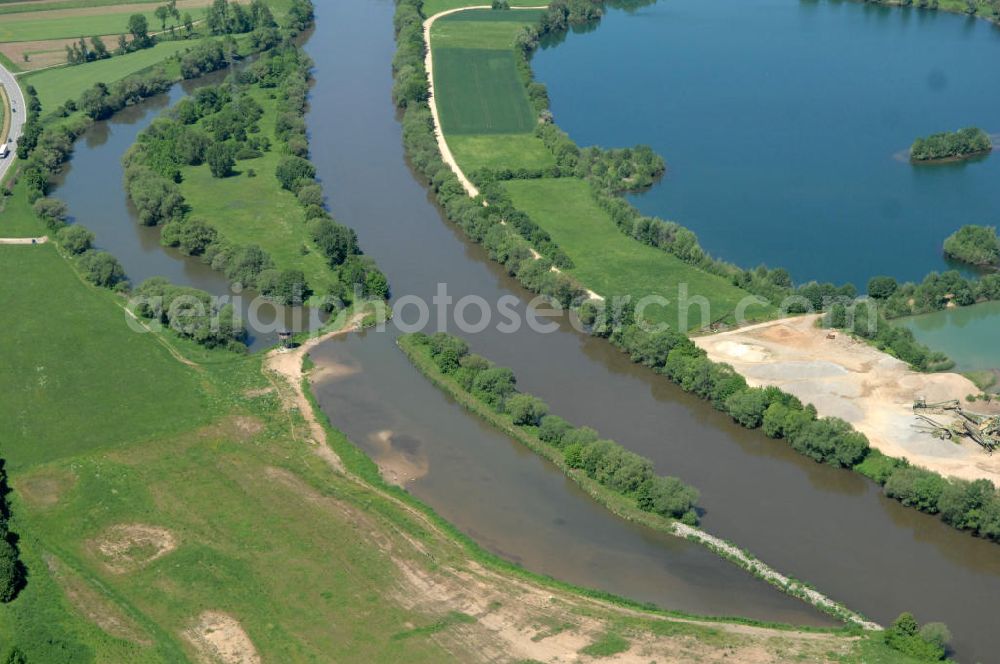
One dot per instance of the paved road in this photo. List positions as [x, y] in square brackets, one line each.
[16, 117]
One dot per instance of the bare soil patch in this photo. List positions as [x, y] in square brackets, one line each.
[95, 606]
[45, 488]
[844, 377]
[44, 52]
[400, 459]
[218, 638]
[127, 547]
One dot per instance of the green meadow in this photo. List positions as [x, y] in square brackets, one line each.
[611, 263]
[491, 29]
[56, 85]
[475, 151]
[256, 210]
[76, 378]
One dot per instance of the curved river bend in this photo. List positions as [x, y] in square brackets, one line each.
[827, 526]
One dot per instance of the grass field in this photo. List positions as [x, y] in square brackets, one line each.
[485, 29]
[257, 210]
[499, 151]
[38, 25]
[611, 263]
[479, 92]
[16, 217]
[75, 377]
[56, 85]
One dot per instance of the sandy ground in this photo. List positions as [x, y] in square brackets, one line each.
[219, 638]
[846, 378]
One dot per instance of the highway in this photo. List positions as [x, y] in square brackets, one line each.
[17, 115]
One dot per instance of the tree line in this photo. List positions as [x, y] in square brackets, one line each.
[671, 354]
[581, 448]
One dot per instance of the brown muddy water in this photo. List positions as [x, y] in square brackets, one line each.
[829, 527]
[91, 184]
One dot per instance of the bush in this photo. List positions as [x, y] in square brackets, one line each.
[221, 158]
[916, 487]
[494, 385]
[294, 172]
[552, 430]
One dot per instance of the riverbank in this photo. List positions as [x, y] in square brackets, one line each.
[622, 506]
[846, 378]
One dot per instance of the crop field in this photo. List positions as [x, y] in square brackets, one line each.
[84, 21]
[256, 210]
[479, 92]
[611, 263]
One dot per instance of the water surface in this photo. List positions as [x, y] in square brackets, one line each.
[968, 335]
[830, 527]
[779, 121]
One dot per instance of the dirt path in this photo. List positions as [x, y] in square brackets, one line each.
[844, 377]
[287, 365]
[24, 240]
[446, 154]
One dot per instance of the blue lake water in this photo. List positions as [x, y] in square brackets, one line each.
[779, 121]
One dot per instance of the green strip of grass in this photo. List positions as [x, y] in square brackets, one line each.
[499, 151]
[6, 6]
[56, 85]
[76, 378]
[613, 264]
[17, 218]
[479, 92]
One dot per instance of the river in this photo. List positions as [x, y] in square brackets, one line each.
[782, 118]
[829, 527]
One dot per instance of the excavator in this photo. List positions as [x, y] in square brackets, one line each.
[983, 429]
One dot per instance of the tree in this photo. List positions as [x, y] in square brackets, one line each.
[748, 406]
[221, 158]
[52, 211]
[76, 239]
[916, 487]
[99, 48]
[217, 17]
[11, 569]
[188, 23]
[101, 268]
[122, 44]
[552, 429]
[526, 410]
[882, 288]
[163, 13]
[139, 29]
[494, 385]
